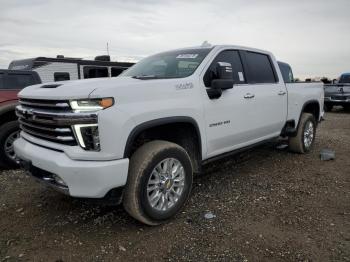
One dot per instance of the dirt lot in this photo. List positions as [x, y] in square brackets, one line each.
[270, 205]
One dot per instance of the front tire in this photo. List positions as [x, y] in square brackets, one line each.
[306, 133]
[9, 132]
[159, 182]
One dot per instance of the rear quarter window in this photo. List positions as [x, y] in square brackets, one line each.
[286, 72]
[260, 69]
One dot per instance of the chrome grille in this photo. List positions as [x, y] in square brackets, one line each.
[51, 120]
[45, 104]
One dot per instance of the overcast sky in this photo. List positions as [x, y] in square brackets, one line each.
[312, 35]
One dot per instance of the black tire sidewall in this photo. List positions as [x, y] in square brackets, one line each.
[309, 119]
[6, 130]
[186, 163]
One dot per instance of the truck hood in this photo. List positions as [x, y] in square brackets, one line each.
[338, 89]
[77, 89]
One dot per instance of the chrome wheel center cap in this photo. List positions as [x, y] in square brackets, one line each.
[166, 183]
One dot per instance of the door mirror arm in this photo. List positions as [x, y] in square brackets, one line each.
[214, 93]
[222, 84]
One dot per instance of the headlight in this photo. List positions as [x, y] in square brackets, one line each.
[91, 104]
[88, 136]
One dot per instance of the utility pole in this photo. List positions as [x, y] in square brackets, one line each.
[107, 49]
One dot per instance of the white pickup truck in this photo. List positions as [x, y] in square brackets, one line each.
[140, 137]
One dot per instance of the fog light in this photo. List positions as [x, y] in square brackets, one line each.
[59, 180]
[88, 136]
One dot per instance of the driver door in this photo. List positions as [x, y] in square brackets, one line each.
[229, 118]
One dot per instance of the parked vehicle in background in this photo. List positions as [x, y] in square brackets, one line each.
[140, 137]
[64, 68]
[11, 82]
[338, 94]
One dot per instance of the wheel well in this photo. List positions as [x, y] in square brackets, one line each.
[291, 127]
[184, 134]
[7, 117]
[312, 108]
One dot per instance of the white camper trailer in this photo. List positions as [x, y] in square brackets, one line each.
[63, 68]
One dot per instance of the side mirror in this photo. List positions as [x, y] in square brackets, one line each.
[224, 70]
[224, 76]
[222, 81]
[222, 84]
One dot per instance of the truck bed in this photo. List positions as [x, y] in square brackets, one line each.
[299, 93]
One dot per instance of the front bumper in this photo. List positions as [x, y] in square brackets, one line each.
[88, 179]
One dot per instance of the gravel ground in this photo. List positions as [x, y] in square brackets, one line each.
[267, 205]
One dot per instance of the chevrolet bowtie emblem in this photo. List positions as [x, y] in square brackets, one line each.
[27, 114]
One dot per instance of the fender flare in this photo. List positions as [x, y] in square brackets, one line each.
[308, 103]
[158, 122]
[302, 110]
[8, 107]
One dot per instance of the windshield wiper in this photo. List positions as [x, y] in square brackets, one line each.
[145, 77]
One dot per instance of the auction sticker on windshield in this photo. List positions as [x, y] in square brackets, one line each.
[187, 56]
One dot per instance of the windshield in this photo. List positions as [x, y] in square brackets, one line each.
[345, 79]
[173, 64]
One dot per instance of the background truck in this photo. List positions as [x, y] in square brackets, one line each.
[338, 94]
[140, 137]
[11, 82]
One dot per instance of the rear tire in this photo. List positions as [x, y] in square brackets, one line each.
[8, 133]
[306, 133]
[159, 182]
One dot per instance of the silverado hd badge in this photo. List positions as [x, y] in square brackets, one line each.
[182, 86]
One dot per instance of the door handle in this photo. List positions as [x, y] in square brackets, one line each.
[282, 93]
[249, 96]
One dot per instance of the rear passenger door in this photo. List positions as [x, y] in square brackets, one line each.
[268, 93]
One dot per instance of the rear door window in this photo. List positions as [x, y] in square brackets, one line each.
[260, 69]
[228, 56]
[18, 81]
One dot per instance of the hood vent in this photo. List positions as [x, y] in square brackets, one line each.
[50, 86]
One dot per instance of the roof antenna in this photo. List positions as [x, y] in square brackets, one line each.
[206, 44]
[107, 49]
